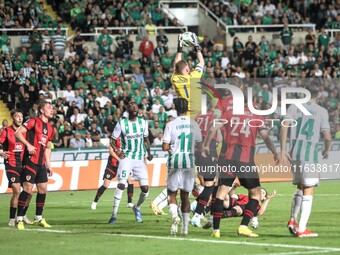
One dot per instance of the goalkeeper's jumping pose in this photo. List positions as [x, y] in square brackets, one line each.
[184, 81]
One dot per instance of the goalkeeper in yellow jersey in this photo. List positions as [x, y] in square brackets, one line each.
[185, 82]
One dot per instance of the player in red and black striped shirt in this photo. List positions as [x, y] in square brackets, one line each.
[109, 174]
[238, 152]
[13, 152]
[37, 163]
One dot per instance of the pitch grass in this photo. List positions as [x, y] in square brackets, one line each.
[83, 231]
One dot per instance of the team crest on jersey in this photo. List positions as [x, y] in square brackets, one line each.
[13, 179]
[28, 177]
[107, 176]
[45, 131]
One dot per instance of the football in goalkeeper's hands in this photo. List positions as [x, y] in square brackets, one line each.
[188, 39]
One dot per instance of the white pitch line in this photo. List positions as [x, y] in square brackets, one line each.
[297, 252]
[320, 249]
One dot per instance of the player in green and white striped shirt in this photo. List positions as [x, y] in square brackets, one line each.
[133, 132]
[304, 138]
[180, 137]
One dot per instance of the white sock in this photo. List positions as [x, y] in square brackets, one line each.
[173, 210]
[163, 196]
[141, 199]
[20, 218]
[306, 208]
[296, 204]
[211, 217]
[116, 201]
[163, 204]
[38, 217]
[185, 217]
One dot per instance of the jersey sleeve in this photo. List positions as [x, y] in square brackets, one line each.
[325, 121]
[146, 129]
[3, 136]
[167, 134]
[117, 131]
[29, 124]
[197, 73]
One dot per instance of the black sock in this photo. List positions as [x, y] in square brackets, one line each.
[40, 203]
[130, 192]
[249, 211]
[213, 197]
[25, 210]
[229, 213]
[100, 192]
[217, 211]
[12, 212]
[203, 199]
[22, 203]
[207, 209]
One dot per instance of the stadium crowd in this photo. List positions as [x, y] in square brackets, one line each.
[91, 89]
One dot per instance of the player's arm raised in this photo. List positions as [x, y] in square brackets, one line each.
[269, 143]
[197, 49]
[265, 204]
[179, 54]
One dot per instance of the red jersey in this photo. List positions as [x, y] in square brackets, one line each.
[242, 200]
[204, 121]
[240, 135]
[14, 147]
[39, 134]
[226, 104]
[112, 160]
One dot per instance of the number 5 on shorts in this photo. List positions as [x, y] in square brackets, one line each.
[123, 175]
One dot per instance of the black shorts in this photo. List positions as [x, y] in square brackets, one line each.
[246, 172]
[110, 171]
[34, 173]
[13, 174]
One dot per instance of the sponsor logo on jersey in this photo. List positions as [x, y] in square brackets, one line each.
[18, 147]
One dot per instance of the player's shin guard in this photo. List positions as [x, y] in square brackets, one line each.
[22, 204]
[163, 196]
[203, 199]
[12, 212]
[217, 211]
[173, 210]
[100, 192]
[116, 201]
[229, 213]
[249, 211]
[296, 204]
[40, 203]
[130, 192]
[142, 198]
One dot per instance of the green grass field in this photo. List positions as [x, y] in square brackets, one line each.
[78, 230]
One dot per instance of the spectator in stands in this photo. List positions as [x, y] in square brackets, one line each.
[104, 36]
[168, 99]
[77, 117]
[286, 36]
[102, 99]
[95, 135]
[161, 37]
[158, 140]
[77, 141]
[67, 134]
[146, 47]
[78, 42]
[160, 49]
[108, 126]
[68, 94]
[59, 43]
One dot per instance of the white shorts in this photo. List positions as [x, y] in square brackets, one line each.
[137, 168]
[182, 179]
[304, 174]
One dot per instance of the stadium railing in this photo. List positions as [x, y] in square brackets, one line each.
[135, 29]
[332, 32]
[15, 31]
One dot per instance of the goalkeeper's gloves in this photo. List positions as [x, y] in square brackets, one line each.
[179, 43]
[196, 45]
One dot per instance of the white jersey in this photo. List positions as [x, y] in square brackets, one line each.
[182, 134]
[132, 135]
[305, 136]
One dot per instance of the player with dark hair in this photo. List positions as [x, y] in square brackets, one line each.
[238, 149]
[36, 134]
[133, 132]
[182, 78]
[304, 139]
[13, 152]
[181, 136]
